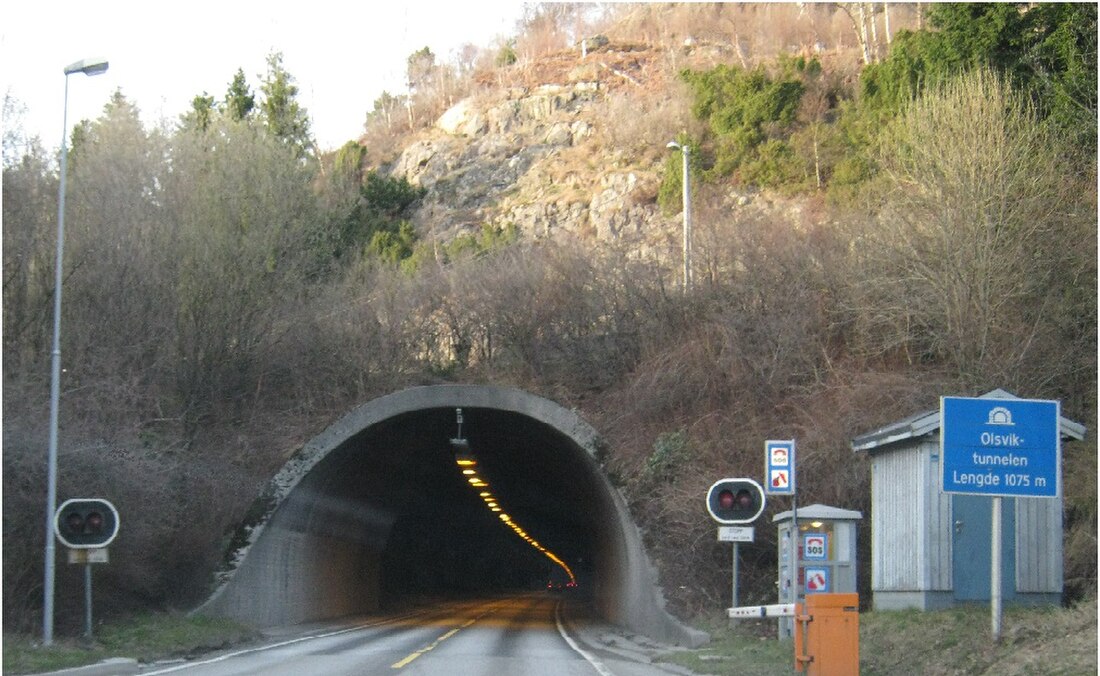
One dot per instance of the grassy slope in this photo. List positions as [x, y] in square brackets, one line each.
[1049, 641]
[145, 638]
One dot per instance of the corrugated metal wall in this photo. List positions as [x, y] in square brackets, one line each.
[898, 480]
[911, 521]
[1038, 545]
[940, 534]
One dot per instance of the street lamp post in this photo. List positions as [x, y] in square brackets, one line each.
[685, 151]
[88, 67]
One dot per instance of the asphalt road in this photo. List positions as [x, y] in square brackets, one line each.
[530, 635]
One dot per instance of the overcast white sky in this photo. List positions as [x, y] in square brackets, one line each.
[342, 54]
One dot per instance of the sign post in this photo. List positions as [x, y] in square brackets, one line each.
[736, 535]
[779, 458]
[1000, 448]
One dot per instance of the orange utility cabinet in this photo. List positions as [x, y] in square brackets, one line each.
[826, 635]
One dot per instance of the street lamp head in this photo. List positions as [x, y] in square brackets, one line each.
[682, 147]
[87, 66]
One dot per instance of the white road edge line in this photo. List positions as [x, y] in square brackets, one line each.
[596, 664]
[249, 651]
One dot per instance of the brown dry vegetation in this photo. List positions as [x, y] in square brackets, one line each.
[197, 360]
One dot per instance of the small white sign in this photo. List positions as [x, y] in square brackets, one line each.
[815, 546]
[735, 534]
[780, 479]
[817, 580]
[98, 555]
[780, 457]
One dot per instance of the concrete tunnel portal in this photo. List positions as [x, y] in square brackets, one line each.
[374, 510]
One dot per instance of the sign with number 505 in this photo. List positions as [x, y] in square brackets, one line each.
[815, 546]
[779, 460]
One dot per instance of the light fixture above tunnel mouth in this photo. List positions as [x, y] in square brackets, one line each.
[460, 446]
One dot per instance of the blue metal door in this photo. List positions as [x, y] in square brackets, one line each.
[972, 520]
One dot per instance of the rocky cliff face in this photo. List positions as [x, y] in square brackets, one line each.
[540, 158]
[513, 158]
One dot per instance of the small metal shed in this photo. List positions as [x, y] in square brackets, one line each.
[931, 549]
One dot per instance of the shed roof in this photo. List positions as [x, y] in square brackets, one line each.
[926, 423]
[820, 513]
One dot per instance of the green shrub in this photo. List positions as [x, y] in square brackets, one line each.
[375, 225]
[506, 56]
[670, 451]
[776, 165]
[751, 116]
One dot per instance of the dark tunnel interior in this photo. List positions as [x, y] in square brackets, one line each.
[397, 484]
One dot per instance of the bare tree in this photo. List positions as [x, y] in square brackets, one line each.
[857, 14]
[965, 252]
[240, 206]
[886, 23]
[545, 28]
[29, 216]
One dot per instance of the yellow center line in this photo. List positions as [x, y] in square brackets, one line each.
[404, 662]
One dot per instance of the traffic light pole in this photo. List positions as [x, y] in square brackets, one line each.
[735, 557]
[88, 600]
[86, 526]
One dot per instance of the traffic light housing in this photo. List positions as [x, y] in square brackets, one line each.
[86, 523]
[733, 501]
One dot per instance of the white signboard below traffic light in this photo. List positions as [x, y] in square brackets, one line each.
[779, 474]
[736, 534]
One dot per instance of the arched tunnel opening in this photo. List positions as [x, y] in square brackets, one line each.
[436, 533]
[375, 511]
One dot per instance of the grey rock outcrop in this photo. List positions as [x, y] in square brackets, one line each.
[499, 161]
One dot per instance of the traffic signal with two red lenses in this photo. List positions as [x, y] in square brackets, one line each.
[86, 523]
[733, 501]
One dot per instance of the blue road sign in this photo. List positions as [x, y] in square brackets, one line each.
[779, 457]
[1005, 447]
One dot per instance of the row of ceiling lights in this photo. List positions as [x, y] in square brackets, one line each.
[468, 465]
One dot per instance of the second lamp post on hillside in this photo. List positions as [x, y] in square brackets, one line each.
[685, 152]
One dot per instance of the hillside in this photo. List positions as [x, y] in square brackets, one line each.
[569, 147]
[859, 251]
[534, 155]
[572, 148]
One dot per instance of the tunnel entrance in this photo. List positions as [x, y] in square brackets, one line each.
[375, 510]
[447, 539]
